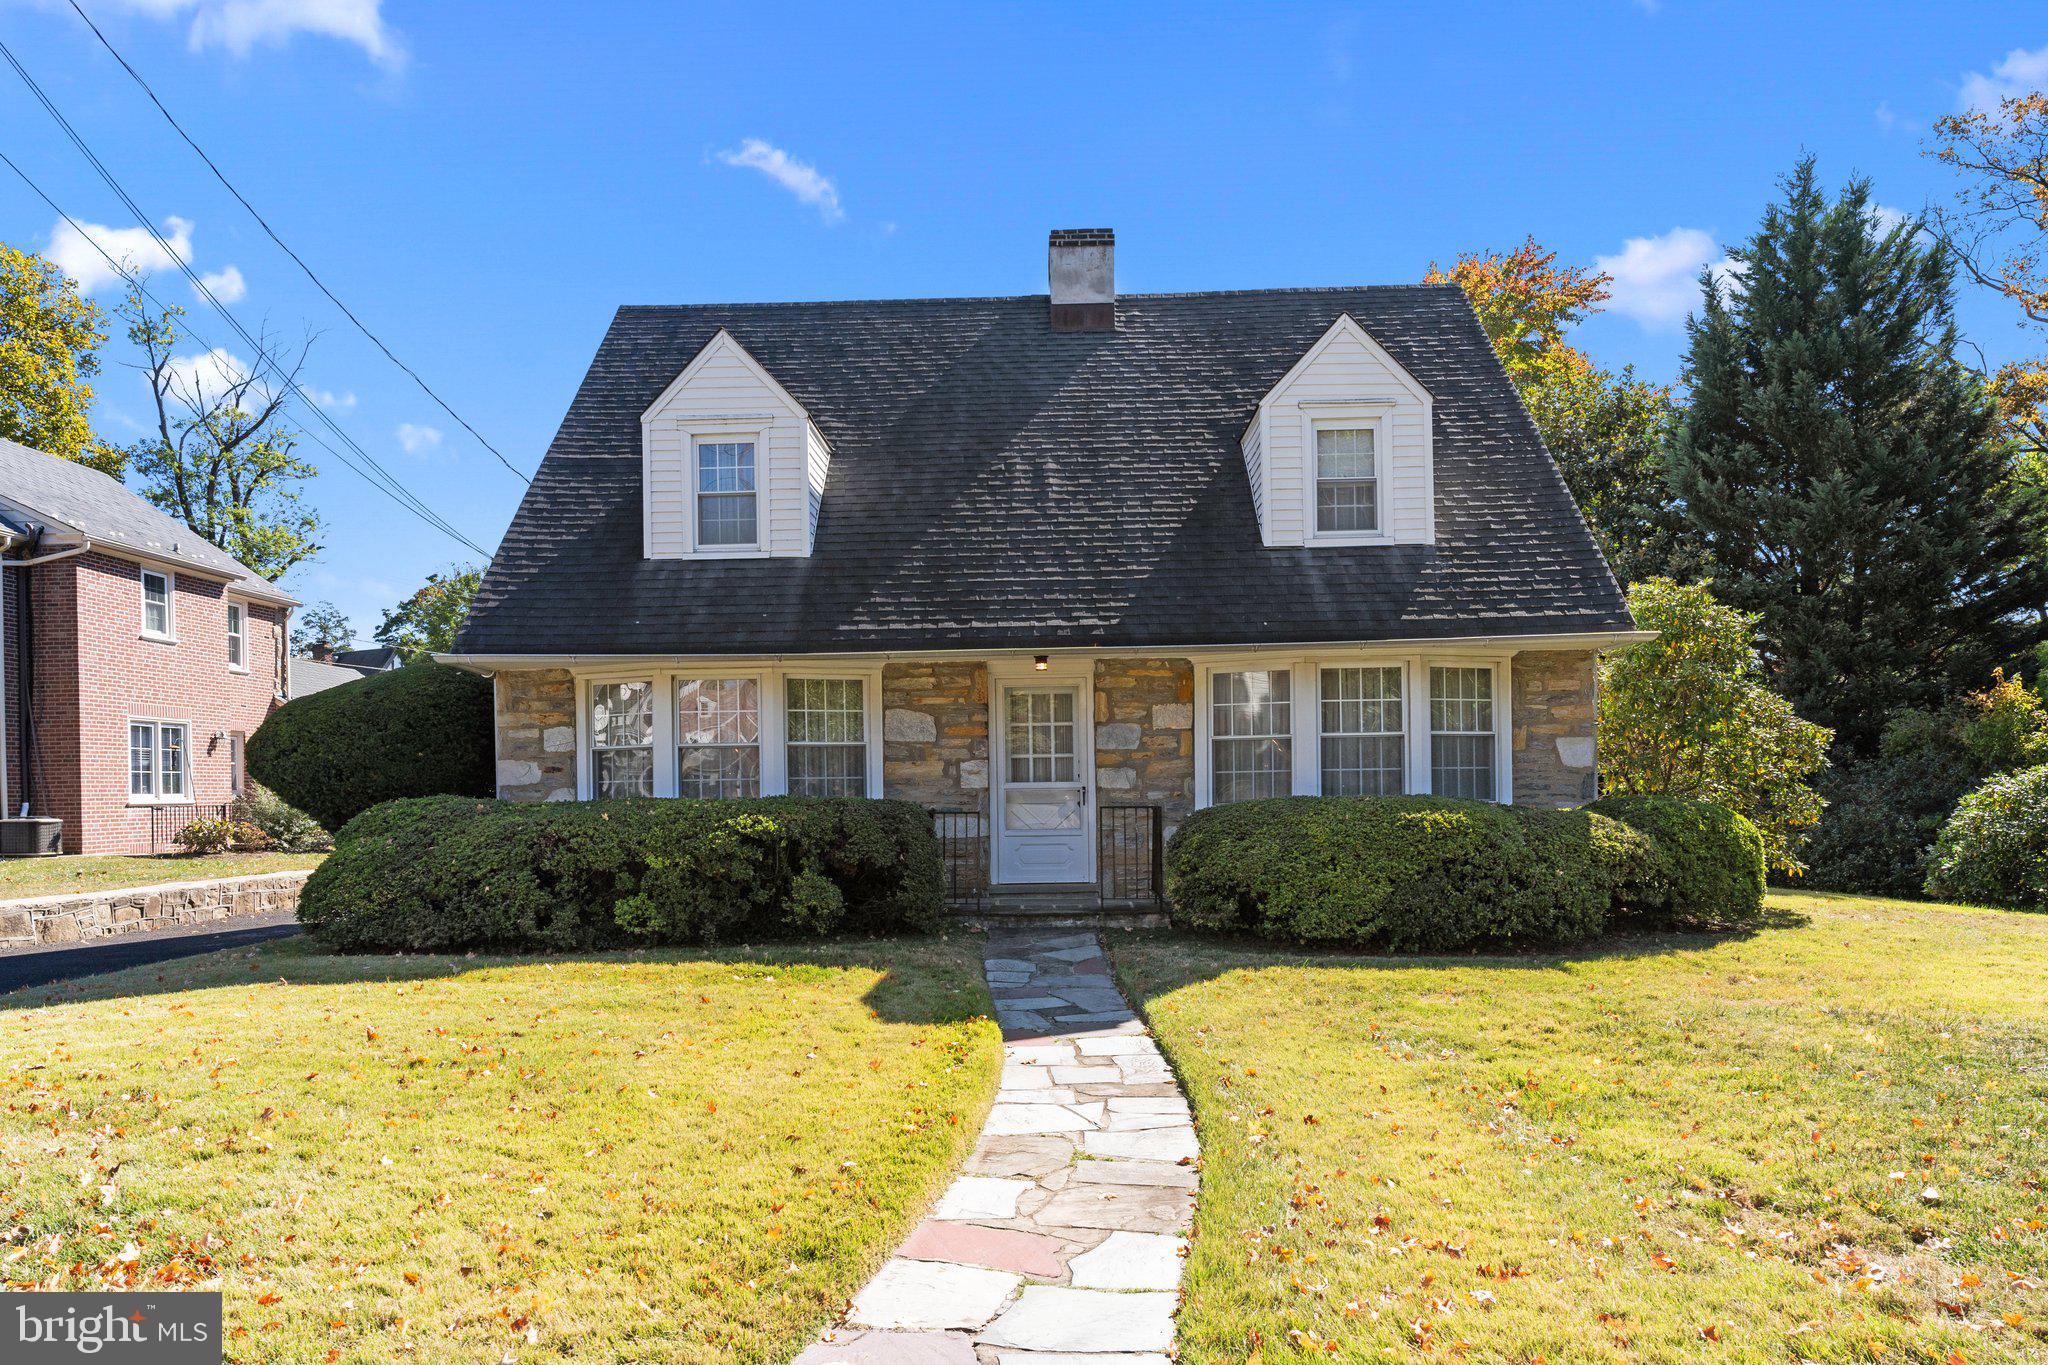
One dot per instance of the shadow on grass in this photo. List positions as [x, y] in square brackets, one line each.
[922, 980]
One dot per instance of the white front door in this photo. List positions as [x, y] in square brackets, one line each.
[1043, 779]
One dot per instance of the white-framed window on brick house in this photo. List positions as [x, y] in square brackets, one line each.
[157, 766]
[718, 737]
[238, 637]
[159, 617]
[726, 493]
[621, 728]
[826, 722]
[1463, 739]
[1251, 735]
[1363, 731]
[1347, 478]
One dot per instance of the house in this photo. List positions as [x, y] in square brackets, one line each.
[137, 657]
[324, 667]
[1041, 559]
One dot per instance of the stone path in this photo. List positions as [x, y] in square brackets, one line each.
[1061, 1242]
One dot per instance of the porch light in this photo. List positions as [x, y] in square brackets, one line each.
[1041, 662]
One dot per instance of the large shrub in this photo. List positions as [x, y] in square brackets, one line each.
[1407, 873]
[1711, 862]
[447, 872]
[421, 730]
[1994, 849]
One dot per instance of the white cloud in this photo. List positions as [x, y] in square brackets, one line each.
[1656, 279]
[242, 26]
[1888, 217]
[72, 249]
[226, 284]
[202, 378]
[327, 398]
[2020, 72]
[799, 178]
[418, 440]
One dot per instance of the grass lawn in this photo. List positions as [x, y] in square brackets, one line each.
[21, 877]
[675, 1156]
[1824, 1141]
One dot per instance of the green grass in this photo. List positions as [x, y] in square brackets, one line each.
[1677, 1148]
[23, 877]
[666, 1156]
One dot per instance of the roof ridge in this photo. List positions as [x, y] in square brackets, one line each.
[1418, 285]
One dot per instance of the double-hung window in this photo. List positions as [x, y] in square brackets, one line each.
[1462, 738]
[827, 750]
[1363, 737]
[1347, 480]
[621, 739]
[238, 636]
[718, 737]
[156, 760]
[156, 604]
[726, 493]
[1251, 744]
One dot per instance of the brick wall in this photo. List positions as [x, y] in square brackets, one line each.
[536, 717]
[10, 689]
[1145, 734]
[935, 734]
[1555, 703]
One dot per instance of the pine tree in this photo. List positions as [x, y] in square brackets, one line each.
[1845, 472]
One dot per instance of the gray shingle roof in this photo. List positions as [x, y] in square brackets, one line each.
[996, 484]
[43, 491]
[316, 675]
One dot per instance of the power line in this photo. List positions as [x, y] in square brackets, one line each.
[296, 258]
[397, 493]
[385, 480]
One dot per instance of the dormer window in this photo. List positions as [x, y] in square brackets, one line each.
[725, 494]
[1347, 479]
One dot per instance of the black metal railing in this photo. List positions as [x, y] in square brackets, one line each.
[963, 846]
[166, 821]
[1130, 862]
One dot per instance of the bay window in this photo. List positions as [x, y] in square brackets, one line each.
[1363, 735]
[827, 726]
[718, 737]
[1462, 738]
[1251, 728]
[621, 739]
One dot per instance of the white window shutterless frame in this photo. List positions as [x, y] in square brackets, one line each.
[238, 637]
[1347, 450]
[159, 605]
[726, 498]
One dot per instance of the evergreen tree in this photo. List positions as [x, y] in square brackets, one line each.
[1846, 473]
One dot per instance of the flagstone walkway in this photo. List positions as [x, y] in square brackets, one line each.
[1065, 1231]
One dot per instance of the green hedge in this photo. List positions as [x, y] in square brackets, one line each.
[1711, 862]
[1994, 849]
[443, 873]
[1431, 874]
[420, 730]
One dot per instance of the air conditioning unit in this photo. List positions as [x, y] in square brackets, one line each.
[31, 836]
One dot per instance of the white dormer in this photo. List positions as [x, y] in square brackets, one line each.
[1339, 452]
[732, 467]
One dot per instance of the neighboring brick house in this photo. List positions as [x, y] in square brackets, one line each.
[137, 656]
[1031, 557]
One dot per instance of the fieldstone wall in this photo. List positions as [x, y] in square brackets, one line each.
[1555, 704]
[1145, 734]
[78, 916]
[536, 713]
[935, 734]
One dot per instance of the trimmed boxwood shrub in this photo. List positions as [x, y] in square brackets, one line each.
[1407, 873]
[442, 873]
[1711, 862]
[1994, 849]
[420, 730]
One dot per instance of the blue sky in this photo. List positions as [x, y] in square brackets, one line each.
[485, 183]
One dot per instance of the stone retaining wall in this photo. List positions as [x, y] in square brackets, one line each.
[81, 916]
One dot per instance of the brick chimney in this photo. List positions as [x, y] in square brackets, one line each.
[323, 651]
[1081, 268]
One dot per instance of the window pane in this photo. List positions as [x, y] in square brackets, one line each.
[621, 714]
[827, 737]
[1362, 746]
[1251, 750]
[234, 634]
[1344, 454]
[725, 466]
[171, 745]
[725, 519]
[156, 604]
[721, 771]
[1461, 746]
[828, 770]
[1347, 506]
[718, 735]
[1039, 741]
[618, 773]
[141, 760]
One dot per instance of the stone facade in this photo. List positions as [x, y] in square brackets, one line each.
[1145, 734]
[536, 713]
[74, 917]
[1555, 704]
[935, 734]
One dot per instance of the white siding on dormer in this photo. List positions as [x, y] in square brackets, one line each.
[724, 394]
[1346, 371]
[817, 463]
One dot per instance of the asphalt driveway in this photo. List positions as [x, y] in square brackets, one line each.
[45, 966]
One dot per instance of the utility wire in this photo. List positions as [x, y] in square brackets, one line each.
[390, 483]
[296, 258]
[399, 494]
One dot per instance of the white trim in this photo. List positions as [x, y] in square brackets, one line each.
[697, 435]
[1074, 672]
[1378, 418]
[154, 796]
[720, 338]
[169, 634]
[230, 608]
